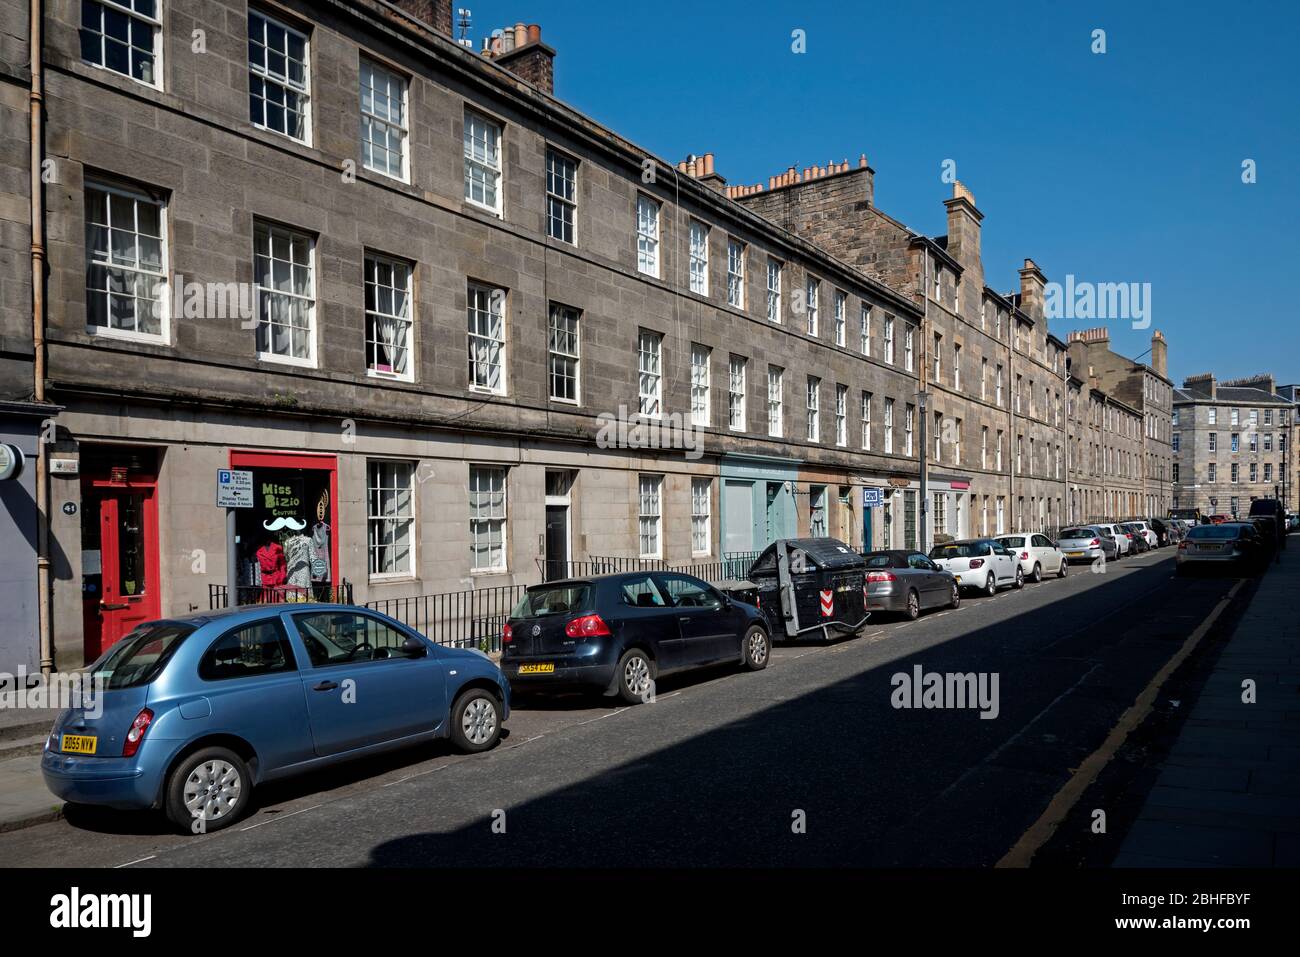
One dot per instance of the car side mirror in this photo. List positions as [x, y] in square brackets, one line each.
[414, 648]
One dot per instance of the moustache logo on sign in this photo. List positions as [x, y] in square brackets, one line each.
[276, 524]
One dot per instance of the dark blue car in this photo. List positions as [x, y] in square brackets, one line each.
[617, 633]
[196, 712]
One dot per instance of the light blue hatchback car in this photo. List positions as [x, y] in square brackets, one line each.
[197, 711]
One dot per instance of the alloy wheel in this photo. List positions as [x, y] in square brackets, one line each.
[479, 721]
[757, 648]
[636, 675]
[212, 790]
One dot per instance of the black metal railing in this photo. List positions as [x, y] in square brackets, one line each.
[460, 619]
[730, 565]
[335, 594]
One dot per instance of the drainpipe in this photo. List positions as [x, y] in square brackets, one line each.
[37, 104]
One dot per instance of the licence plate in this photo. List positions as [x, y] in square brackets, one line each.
[1074, 554]
[541, 669]
[78, 744]
[1208, 548]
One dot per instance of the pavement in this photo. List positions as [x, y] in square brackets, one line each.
[24, 799]
[1228, 794]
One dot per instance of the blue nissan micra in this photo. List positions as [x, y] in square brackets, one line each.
[194, 712]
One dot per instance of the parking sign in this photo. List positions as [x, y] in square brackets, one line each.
[872, 498]
[234, 489]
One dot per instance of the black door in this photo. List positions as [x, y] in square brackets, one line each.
[703, 620]
[557, 542]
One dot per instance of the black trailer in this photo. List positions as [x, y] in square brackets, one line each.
[811, 585]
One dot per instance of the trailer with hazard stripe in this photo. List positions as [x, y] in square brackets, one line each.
[811, 587]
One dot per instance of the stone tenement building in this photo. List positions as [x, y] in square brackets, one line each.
[1232, 444]
[414, 294]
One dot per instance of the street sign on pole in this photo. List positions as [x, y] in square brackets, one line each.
[234, 489]
[873, 498]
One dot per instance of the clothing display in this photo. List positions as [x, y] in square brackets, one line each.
[298, 554]
[271, 562]
[320, 553]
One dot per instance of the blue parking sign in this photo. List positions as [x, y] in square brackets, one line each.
[872, 498]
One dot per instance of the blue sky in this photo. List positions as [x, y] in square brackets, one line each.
[1117, 167]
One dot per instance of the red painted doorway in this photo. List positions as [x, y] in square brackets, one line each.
[120, 562]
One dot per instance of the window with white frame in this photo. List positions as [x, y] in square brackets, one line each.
[650, 373]
[561, 197]
[889, 426]
[383, 120]
[564, 353]
[650, 515]
[286, 294]
[841, 415]
[390, 519]
[998, 384]
[126, 263]
[956, 441]
[736, 273]
[864, 330]
[984, 447]
[813, 422]
[388, 317]
[699, 256]
[909, 415]
[487, 338]
[701, 517]
[907, 349]
[700, 383]
[482, 162]
[736, 393]
[937, 359]
[774, 271]
[889, 339]
[775, 401]
[866, 421]
[1213, 416]
[487, 518]
[998, 453]
[841, 306]
[647, 235]
[124, 36]
[278, 77]
[813, 287]
[956, 367]
[938, 436]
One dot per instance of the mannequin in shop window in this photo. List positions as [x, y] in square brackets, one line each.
[271, 563]
[320, 548]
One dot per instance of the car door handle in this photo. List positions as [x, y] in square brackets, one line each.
[684, 619]
[324, 686]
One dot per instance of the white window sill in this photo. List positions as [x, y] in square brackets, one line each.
[123, 335]
[275, 359]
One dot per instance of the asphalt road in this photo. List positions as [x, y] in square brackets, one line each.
[721, 766]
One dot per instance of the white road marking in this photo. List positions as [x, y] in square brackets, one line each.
[140, 861]
[281, 817]
[417, 774]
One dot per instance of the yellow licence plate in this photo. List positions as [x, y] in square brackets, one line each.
[78, 744]
[543, 669]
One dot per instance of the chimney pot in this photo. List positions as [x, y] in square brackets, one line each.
[521, 34]
[534, 33]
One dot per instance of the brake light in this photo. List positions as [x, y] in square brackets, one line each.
[588, 626]
[1024, 555]
[977, 563]
[133, 737]
[881, 577]
[1094, 543]
[507, 634]
[1129, 536]
[1182, 546]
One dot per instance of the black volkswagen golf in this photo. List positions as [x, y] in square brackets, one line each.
[617, 633]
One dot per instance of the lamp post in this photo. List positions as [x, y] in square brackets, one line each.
[922, 404]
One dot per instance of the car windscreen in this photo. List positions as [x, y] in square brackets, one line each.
[141, 656]
[1013, 541]
[879, 561]
[957, 550]
[1214, 532]
[547, 600]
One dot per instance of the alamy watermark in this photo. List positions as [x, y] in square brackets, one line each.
[1099, 300]
[640, 431]
[951, 690]
[78, 689]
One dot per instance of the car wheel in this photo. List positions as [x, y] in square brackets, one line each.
[475, 721]
[636, 675]
[1064, 569]
[1038, 572]
[758, 649]
[208, 791]
[1020, 578]
[991, 586]
[913, 610]
[955, 600]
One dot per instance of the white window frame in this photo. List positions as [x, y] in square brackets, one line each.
[841, 307]
[563, 200]
[735, 273]
[908, 351]
[272, 231]
[698, 242]
[889, 340]
[482, 155]
[701, 517]
[371, 119]
[480, 333]
[380, 518]
[647, 234]
[841, 415]
[160, 277]
[775, 401]
[737, 373]
[812, 415]
[775, 278]
[909, 418]
[564, 351]
[866, 420]
[284, 82]
[483, 525]
[889, 426]
[812, 291]
[125, 8]
[650, 515]
[701, 384]
[864, 330]
[650, 374]
[373, 263]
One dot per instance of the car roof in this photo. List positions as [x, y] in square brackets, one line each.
[253, 611]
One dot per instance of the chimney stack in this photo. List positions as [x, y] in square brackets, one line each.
[1032, 285]
[1160, 353]
[433, 13]
[964, 235]
[523, 53]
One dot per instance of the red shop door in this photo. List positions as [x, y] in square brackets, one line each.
[126, 520]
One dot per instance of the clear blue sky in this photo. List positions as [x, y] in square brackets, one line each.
[1118, 167]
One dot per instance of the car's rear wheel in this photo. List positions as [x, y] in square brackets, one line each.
[475, 721]
[758, 648]
[208, 791]
[955, 600]
[1038, 572]
[1064, 569]
[913, 609]
[991, 586]
[636, 675]
[1020, 577]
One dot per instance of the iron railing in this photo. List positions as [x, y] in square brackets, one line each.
[460, 619]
